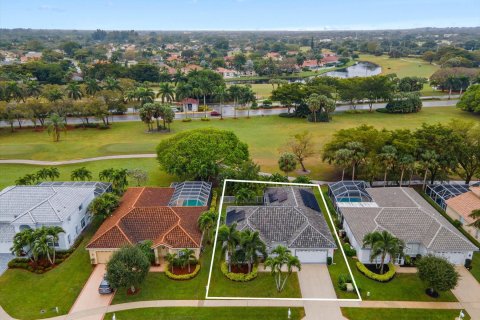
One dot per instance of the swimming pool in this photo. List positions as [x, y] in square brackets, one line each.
[192, 203]
[349, 199]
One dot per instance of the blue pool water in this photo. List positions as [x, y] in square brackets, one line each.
[346, 199]
[192, 203]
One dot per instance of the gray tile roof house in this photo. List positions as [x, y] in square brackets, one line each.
[287, 219]
[33, 206]
[408, 216]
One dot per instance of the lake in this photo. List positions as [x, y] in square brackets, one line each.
[361, 69]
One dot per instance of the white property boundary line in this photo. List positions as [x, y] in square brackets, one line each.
[207, 297]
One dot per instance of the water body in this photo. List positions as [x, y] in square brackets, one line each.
[361, 69]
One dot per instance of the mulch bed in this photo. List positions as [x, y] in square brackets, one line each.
[179, 271]
[130, 293]
[374, 269]
[243, 268]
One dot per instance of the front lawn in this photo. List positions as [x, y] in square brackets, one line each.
[24, 294]
[400, 314]
[209, 313]
[476, 266]
[403, 287]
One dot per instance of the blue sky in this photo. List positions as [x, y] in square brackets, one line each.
[238, 14]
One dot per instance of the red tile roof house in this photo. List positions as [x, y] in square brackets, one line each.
[460, 207]
[163, 215]
[311, 64]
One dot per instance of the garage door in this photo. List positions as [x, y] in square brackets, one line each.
[312, 256]
[103, 256]
[453, 257]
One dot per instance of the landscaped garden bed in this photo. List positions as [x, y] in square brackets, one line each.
[179, 273]
[239, 272]
[373, 272]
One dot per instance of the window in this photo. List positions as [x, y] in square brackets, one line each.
[76, 229]
[82, 222]
[69, 239]
[80, 207]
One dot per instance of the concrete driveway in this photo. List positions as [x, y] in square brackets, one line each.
[4, 260]
[468, 292]
[89, 297]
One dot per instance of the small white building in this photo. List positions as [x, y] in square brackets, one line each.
[227, 73]
[190, 104]
[54, 204]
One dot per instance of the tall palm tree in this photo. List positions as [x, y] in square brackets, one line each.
[280, 257]
[106, 174]
[120, 180]
[313, 103]
[112, 84]
[381, 244]
[74, 91]
[55, 126]
[43, 174]
[166, 91]
[33, 89]
[53, 233]
[171, 259]
[235, 92]
[53, 94]
[252, 244]
[81, 174]
[144, 95]
[405, 163]
[475, 215]
[206, 87]
[388, 156]
[357, 154]
[187, 256]
[41, 247]
[53, 173]
[229, 237]
[22, 241]
[342, 158]
[184, 91]
[92, 86]
[221, 93]
[14, 91]
[428, 160]
[206, 223]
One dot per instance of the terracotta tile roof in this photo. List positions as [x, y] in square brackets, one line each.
[144, 215]
[464, 204]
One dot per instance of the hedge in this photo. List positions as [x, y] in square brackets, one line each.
[213, 202]
[239, 277]
[182, 276]
[387, 276]
[187, 120]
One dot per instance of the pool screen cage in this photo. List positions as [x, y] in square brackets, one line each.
[440, 193]
[191, 193]
[348, 191]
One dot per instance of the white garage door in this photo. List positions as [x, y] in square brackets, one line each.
[5, 247]
[453, 257]
[311, 256]
[103, 256]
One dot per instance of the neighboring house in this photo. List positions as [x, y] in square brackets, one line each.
[310, 64]
[460, 207]
[290, 217]
[191, 67]
[274, 56]
[329, 60]
[190, 104]
[403, 213]
[24, 207]
[31, 56]
[166, 216]
[227, 73]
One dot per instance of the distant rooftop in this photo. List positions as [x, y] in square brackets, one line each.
[100, 187]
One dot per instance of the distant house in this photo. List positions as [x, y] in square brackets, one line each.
[166, 216]
[189, 104]
[191, 67]
[403, 213]
[52, 204]
[274, 56]
[461, 206]
[290, 216]
[311, 64]
[329, 60]
[227, 73]
[31, 56]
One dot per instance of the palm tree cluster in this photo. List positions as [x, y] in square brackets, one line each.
[37, 243]
[280, 258]
[51, 173]
[104, 205]
[117, 177]
[206, 223]
[157, 111]
[241, 247]
[184, 259]
[382, 244]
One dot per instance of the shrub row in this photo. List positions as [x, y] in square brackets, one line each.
[213, 203]
[387, 276]
[239, 277]
[182, 276]
[187, 120]
[349, 250]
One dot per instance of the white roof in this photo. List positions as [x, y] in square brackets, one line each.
[41, 204]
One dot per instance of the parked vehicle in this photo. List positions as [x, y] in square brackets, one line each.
[104, 287]
[215, 113]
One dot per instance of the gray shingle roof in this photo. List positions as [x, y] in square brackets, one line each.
[7, 232]
[293, 224]
[406, 215]
[100, 187]
[41, 204]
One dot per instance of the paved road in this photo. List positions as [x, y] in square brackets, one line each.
[229, 112]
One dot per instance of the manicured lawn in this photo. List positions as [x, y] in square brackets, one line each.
[403, 67]
[209, 313]
[264, 135]
[262, 90]
[158, 286]
[476, 266]
[403, 287]
[24, 294]
[156, 177]
[400, 314]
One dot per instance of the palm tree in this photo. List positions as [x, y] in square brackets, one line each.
[55, 126]
[475, 215]
[166, 91]
[388, 156]
[221, 93]
[230, 237]
[313, 103]
[206, 223]
[171, 259]
[52, 232]
[92, 86]
[43, 174]
[41, 247]
[428, 160]
[53, 94]
[119, 180]
[73, 91]
[81, 174]
[106, 174]
[206, 87]
[235, 92]
[357, 154]
[33, 89]
[14, 91]
[381, 244]
[405, 163]
[53, 173]
[184, 91]
[23, 240]
[252, 244]
[28, 179]
[112, 84]
[280, 257]
[342, 158]
[187, 256]
[144, 95]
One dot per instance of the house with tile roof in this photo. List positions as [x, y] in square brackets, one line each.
[290, 216]
[461, 206]
[31, 207]
[403, 213]
[166, 216]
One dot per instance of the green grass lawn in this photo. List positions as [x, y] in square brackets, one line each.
[403, 287]
[209, 313]
[403, 67]
[476, 266]
[400, 314]
[264, 135]
[23, 294]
